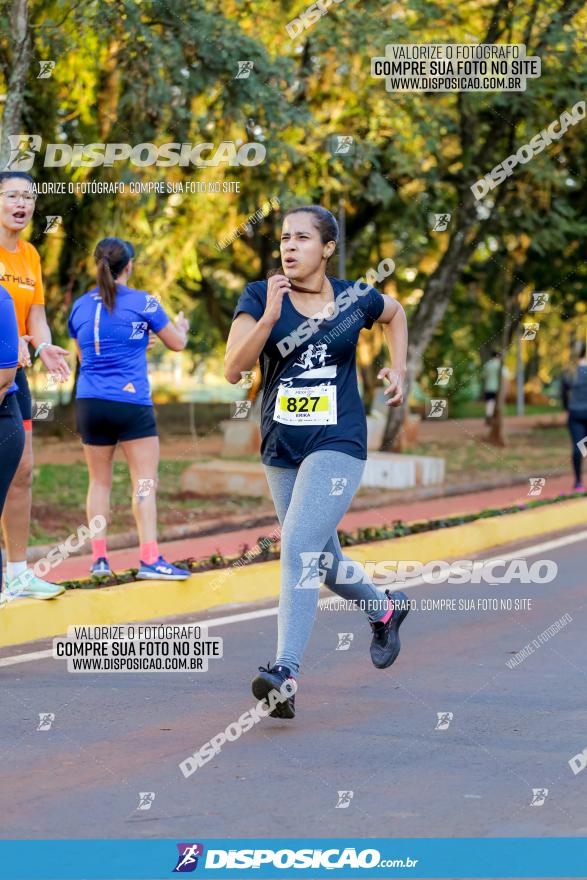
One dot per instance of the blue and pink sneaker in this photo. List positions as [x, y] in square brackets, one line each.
[277, 686]
[385, 644]
[101, 566]
[161, 570]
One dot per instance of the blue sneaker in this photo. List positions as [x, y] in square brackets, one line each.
[101, 567]
[161, 571]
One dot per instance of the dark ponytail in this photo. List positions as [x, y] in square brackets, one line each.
[112, 256]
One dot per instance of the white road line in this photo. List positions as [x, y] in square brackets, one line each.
[532, 550]
[25, 658]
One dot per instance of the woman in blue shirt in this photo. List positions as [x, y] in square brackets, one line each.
[11, 425]
[110, 325]
[304, 326]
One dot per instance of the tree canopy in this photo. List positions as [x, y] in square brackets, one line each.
[168, 72]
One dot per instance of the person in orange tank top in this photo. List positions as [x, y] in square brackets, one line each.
[20, 274]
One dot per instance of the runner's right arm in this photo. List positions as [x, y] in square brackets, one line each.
[248, 335]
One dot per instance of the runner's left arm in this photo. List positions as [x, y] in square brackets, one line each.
[395, 328]
[53, 356]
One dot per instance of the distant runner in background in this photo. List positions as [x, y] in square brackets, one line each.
[574, 400]
[490, 373]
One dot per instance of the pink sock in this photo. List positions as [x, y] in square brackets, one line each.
[98, 548]
[149, 552]
[388, 613]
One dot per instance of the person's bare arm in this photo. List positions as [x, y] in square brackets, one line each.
[246, 341]
[175, 336]
[247, 336]
[52, 356]
[395, 329]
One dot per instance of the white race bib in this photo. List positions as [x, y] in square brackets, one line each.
[314, 405]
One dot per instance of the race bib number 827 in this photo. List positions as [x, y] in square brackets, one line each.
[306, 406]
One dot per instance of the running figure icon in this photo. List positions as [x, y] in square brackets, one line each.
[313, 352]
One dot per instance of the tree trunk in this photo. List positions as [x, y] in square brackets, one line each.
[511, 321]
[496, 436]
[21, 51]
[430, 311]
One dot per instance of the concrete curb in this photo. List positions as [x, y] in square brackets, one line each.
[25, 620]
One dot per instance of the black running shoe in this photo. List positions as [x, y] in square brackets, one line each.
[385, 644]
[277, 685]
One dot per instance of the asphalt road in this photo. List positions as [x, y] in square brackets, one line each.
[361, 730]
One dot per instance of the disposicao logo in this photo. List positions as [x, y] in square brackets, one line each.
[187, 860]
[25, 148]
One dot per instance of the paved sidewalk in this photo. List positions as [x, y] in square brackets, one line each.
[231, 542]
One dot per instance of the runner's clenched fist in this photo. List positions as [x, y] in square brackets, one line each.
[277, 286]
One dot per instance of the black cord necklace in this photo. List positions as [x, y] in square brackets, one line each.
[297, 287]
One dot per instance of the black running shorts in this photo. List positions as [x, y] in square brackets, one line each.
[108, 422]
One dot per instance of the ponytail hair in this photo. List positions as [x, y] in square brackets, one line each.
[112, 256]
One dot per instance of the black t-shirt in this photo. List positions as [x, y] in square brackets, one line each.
[311, 399]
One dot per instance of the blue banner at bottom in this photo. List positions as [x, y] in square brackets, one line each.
[284, 858]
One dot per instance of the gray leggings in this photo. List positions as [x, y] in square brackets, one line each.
[310, 502]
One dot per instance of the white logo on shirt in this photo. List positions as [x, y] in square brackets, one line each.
[313, 352]
[151, 304]
[138, 329]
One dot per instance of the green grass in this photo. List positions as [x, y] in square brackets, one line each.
[65, 485]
